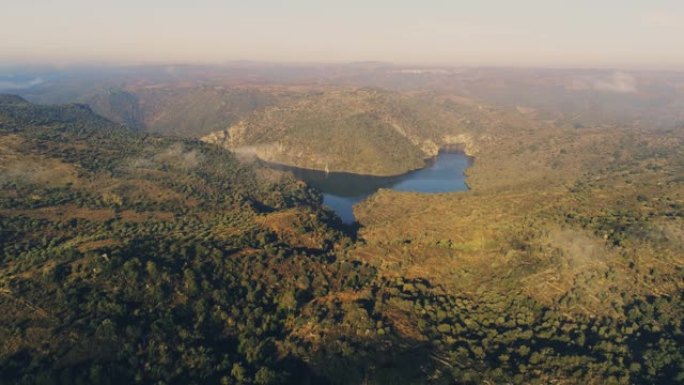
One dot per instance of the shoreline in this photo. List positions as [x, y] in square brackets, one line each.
[427, 162]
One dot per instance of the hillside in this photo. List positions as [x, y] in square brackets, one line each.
[179, 109]
[119, 106]
[199, 110]
[364, 131]
[592, 228]
[129, 258]
[616, 202]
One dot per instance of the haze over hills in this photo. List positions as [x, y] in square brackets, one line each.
[190, 102]
[611, 93]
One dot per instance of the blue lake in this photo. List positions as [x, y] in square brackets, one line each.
[341, 191]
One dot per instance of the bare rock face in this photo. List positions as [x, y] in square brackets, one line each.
[430, 148]
[465, 142]
[218, 137]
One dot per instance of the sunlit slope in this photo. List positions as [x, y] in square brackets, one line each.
[129, 258]
[365, 131]
[594, 219]
[118, 247]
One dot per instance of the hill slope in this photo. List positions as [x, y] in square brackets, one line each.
[127, 258]
[364, 131]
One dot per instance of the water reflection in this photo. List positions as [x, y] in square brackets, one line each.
[342, 190]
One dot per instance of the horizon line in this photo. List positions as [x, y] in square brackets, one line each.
[64, 64]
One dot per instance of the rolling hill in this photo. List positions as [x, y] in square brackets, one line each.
[363, 131]
[127, 257]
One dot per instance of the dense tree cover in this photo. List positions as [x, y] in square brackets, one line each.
[321, 130]
[163, 261]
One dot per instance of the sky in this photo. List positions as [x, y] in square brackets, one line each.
[577, 33]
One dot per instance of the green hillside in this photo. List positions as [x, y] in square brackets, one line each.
[364, 131]
[131, 258]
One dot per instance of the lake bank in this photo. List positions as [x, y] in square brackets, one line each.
[341, 190]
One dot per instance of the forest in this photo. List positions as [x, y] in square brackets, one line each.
[129, 257]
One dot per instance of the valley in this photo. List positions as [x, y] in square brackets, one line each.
[341, 191]
[174, 229]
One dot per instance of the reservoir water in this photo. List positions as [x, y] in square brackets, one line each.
[341, 191]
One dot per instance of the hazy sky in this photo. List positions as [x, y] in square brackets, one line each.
[626, 33]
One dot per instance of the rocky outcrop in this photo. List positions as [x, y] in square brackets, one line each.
[463, 142]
